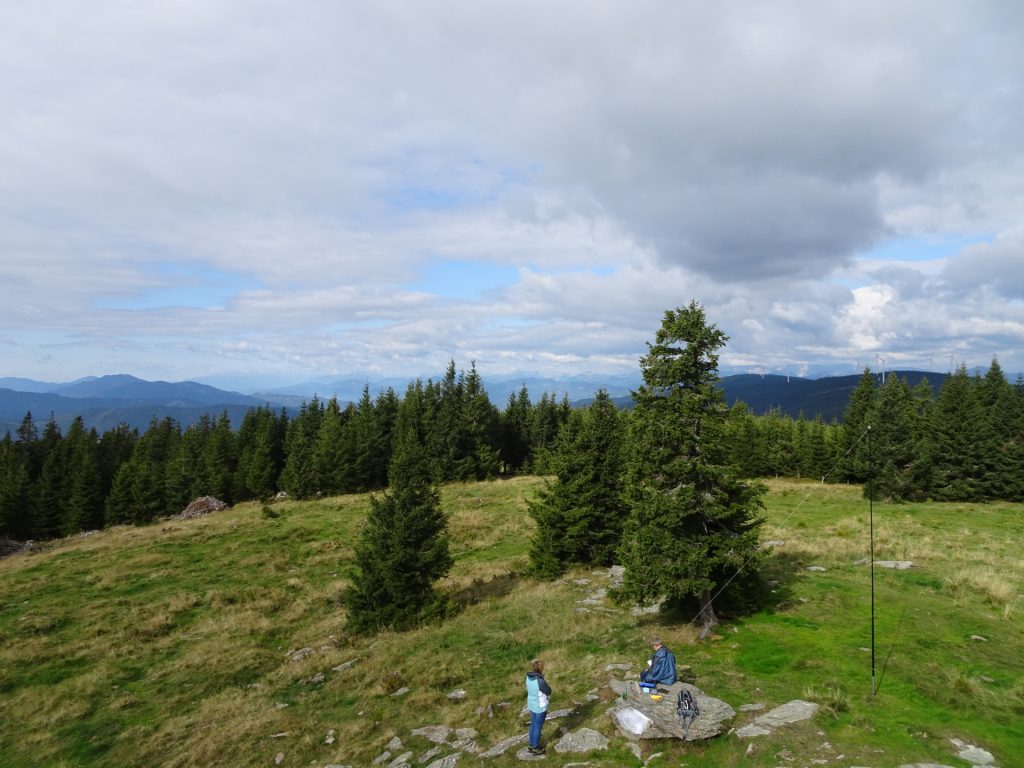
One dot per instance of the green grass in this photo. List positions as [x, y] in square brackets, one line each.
[168, 645]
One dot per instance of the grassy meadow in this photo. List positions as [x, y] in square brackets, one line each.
[174, 644]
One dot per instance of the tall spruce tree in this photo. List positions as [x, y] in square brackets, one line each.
[693, 524]
[579, 515]
[954, 446]
[403, 548]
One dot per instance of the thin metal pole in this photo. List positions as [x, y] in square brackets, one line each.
[871, 518]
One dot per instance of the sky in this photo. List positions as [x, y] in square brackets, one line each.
[255, 192]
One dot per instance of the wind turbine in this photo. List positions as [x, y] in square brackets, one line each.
[880, 362]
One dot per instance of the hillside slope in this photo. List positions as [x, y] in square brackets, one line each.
[219, 641]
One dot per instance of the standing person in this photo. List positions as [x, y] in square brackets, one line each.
[537, 693]
[661, 668]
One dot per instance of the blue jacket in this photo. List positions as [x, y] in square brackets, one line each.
[662, 669]
[536, 685]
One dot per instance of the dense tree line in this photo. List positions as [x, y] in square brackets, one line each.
[964, 444]
[53, 484]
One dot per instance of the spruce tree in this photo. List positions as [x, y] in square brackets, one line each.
[579, 516]
[15, 492]
[953, 444]
[693, 524]
[402, 550]
[856, 419]
[894, 449]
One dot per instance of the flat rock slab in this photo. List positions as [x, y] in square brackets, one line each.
[790, 712]
[583, 740]
[527, 756]
[637, 716]
[752, 731]
[972, 754]
[924, 765]
[435, 733]
[505, 745]
[446, 762]
[898, 565]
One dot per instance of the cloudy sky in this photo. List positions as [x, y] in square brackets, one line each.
[250, 191]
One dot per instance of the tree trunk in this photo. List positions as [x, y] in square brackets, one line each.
[708, 619]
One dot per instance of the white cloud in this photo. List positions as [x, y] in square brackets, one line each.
[318, 159]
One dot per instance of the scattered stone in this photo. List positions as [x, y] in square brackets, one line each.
[615, 575]
[279, 758]
[924, 765]
[402, 759]
[786, 755]
[527, 756]
[505, 745]
[281, 705]
[751, 731]
[635, 749]
[896, 565]
[457, 694]
[383, 757]
[619, 687]
[972, 754]
[435, 733]
[299, 655]
[751, 707]
[596, 598]
[395, 743]
[618, 668]
[401, 691]
[987, 679]
[815, 568]
[345, 665]
[638, 716]
[329, 738]
[790, 712]
[446, 762]
[581, 582]
[819, 761]
[979, 638]
[280, 735]
[319, 677]
[646, 610]
[201, 507]
[281, 495]
[582, 740]
[773, 543]
[430, 754]
[465, 733]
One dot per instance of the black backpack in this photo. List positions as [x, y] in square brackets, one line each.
[687, 709]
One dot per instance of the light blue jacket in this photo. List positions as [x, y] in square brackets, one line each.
[536, 685]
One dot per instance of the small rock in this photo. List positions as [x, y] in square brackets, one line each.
[527, 756]
[280, 735]
[581, 582]
[924, 765]
[773, 543]
[815, 568]
[279, 758]
[395, 743]
[790, 712]
[618, 668]
[465, 734]
[457, 694]
[383, 757]
[402, 759]
[300, 654]
[751, 731]
[319, 677]
[979, 638]
[401, 691]
[430, 754]
[897, 565]
[751, 707]
[504, 745]
[329, 738]
[435, 733]
[973, 754]
[446, 762]
[345, 665]
[582, 740]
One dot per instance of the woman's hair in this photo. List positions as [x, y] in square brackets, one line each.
[537, 666]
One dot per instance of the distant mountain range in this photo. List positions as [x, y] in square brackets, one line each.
[107, 401]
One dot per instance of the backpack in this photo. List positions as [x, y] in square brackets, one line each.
[687, 709]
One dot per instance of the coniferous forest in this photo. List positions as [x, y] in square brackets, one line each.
[964, 444]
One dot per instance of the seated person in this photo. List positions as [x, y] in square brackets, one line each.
[660, 669]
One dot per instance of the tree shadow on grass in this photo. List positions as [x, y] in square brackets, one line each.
[479, 590]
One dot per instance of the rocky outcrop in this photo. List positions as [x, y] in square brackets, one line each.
[790, 712]
[201, 507]
[638, 716]
[582, 740]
